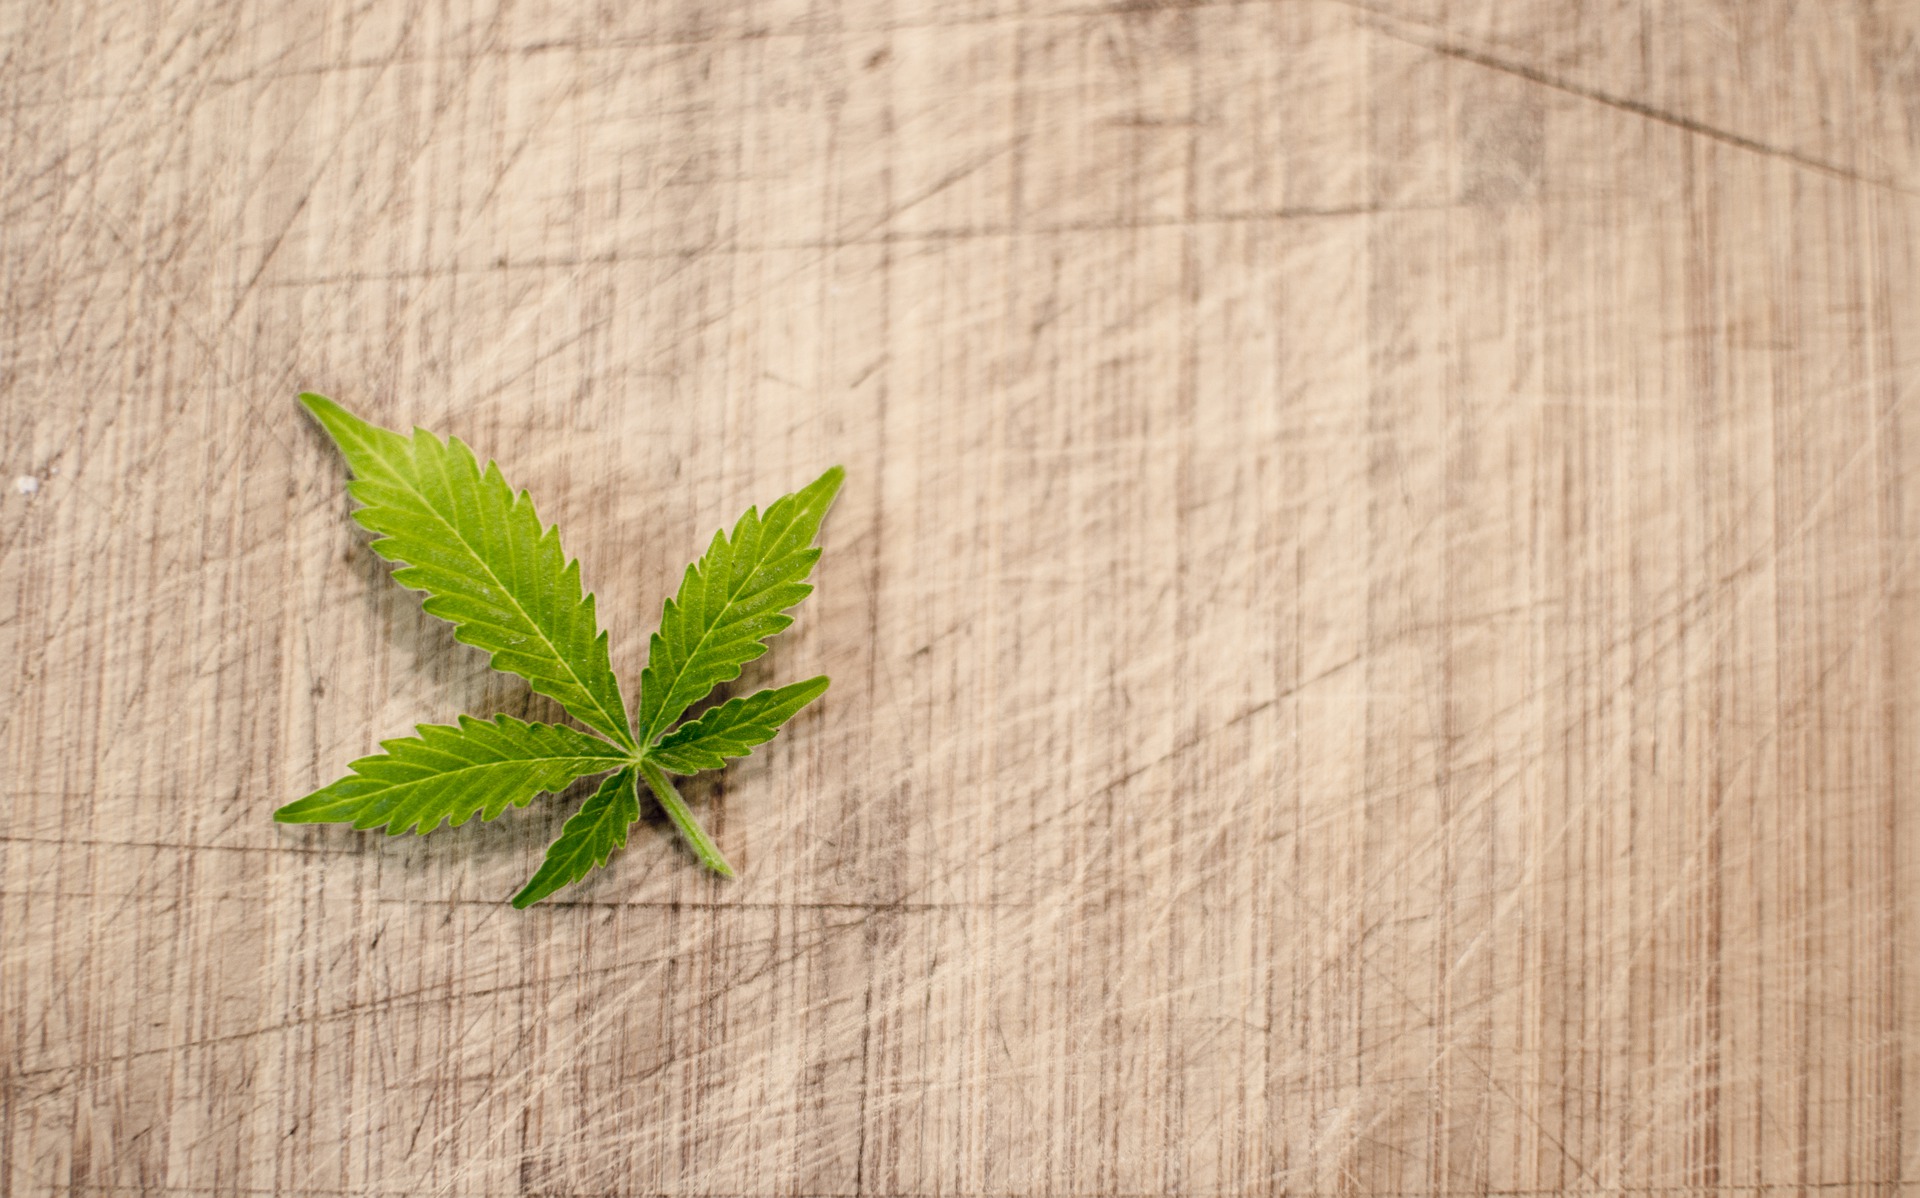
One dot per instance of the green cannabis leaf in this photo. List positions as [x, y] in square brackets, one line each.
[476, 547]
[487, 566]
[733, 728]
[591, 835]
[730, 602]
[450, 773]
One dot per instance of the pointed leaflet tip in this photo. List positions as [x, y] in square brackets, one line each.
[331, 415]
[318, 404]
[819, 494]
[830, 481]
[360, 442]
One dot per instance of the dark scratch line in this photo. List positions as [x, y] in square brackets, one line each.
[1642, 109]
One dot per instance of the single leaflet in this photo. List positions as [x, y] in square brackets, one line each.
[477, 549]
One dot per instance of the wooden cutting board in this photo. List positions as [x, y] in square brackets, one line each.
[1372, 615]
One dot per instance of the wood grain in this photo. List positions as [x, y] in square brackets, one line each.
[1373, 615]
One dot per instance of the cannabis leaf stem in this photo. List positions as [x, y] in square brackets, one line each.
[676, 809]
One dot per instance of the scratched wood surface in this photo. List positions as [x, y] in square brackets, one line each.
[1373, 614]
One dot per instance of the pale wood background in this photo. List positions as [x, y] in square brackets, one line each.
[1373, 615]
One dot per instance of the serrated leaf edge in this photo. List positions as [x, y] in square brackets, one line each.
[392, 747]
